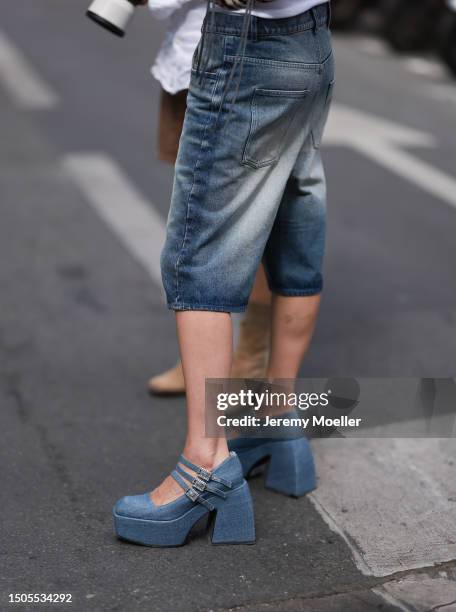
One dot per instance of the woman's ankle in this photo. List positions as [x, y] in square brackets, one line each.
[207, 456]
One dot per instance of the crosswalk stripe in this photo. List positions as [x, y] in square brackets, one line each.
[21, 81]
[122, 207]
[424, 67]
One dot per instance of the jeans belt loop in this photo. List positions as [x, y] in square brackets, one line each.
[254, 28]
[315, 21]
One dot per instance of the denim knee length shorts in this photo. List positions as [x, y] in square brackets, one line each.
[249, 183]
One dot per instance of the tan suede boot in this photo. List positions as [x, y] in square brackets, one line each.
[252, 352]
[170, 382]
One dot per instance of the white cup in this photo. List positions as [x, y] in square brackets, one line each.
[114, 15]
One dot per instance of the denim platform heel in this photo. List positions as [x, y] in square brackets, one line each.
[223, 492]
[290, 465]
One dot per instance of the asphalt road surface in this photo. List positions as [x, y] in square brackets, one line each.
[83, 325]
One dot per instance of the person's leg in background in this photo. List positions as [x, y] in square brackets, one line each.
[252, 350]
[171, 119]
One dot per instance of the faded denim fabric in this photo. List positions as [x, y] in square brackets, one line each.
[249, 182]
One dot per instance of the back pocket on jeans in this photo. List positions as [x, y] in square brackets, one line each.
[272, 114]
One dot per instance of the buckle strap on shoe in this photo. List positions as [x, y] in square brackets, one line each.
[205, 474]
[199, 484]
[192, 493]
[202, 486]
[223, 481]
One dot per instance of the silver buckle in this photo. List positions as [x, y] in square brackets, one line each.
[205, 474]
[200, 485]
[192, 494]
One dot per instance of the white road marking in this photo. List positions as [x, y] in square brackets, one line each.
[24, 85]
[123, 208]
[381, 140]
[391, 499]
[424, 67]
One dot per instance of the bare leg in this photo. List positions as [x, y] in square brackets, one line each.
[206, 345]
[293, 325]
[251, 357]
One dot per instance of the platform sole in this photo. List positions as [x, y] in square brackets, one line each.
[233, 523]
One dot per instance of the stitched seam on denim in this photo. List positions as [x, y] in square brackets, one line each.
[210, 75]
[327, 59]
[273, 62]
[296, 95]
[187, 216]
[271, 33]
[212, 307]
[281, 63]
[297, 292]
[318, 45]
[282, 93]
[317, 136]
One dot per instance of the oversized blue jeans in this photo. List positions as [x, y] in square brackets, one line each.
[249, 182]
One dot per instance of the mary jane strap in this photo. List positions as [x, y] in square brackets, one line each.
[195, 486]
[205, 474]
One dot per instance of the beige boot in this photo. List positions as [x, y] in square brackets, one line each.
[252, 352]
[170, 382]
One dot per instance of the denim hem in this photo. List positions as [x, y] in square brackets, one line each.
[208, 307]
[297, 292]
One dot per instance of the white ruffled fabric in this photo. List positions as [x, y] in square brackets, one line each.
[172, 66]
[162, 9]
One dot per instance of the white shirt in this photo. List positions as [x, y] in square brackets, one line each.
[172, 66]
[278, 9]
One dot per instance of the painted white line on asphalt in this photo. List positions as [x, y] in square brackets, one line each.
[117, 201]
[424, 67]
[348, 125]
[24, 85]
[392, 499]
[382, 141]
[420, 173]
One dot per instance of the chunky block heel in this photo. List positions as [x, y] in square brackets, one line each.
[291, 469]
[234, 521]
[223, 490]
[289, 463]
